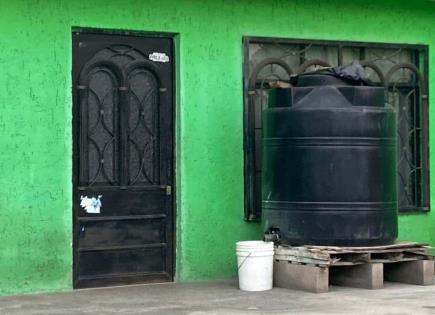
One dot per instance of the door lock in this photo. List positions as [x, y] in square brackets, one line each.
[168, 190]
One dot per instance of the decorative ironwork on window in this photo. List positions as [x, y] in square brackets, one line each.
[401, 69]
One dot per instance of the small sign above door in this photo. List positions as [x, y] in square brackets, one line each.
[158, 57]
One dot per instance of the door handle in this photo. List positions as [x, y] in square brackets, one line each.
[167, 188]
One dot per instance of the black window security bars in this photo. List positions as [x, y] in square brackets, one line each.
[401, 69]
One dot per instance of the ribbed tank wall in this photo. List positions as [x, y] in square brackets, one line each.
[329, 166]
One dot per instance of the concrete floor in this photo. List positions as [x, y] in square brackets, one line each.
[224, 298]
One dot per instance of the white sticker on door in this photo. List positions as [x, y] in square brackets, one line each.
[91, 204]
[158, 57]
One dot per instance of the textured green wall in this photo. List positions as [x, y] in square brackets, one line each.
[35, 118]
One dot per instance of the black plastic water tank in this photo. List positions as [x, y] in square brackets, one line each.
[329, 164]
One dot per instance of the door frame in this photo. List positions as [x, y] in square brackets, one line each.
[75, 130]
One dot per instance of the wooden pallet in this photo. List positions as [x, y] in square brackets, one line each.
[314, 268]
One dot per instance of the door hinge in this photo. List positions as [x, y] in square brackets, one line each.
[168, 190]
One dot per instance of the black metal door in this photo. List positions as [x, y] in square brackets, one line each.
[123, 159]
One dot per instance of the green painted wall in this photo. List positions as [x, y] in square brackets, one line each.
[35, 118]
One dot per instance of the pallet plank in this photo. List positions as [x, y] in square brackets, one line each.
[303, 260]
[302, 255]
[398, 244]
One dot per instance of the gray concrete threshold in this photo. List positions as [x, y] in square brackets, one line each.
[223, 297]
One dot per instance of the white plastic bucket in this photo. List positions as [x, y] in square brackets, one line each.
[255, 264]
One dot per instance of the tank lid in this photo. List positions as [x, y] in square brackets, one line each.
[352, 74]
[324, 97]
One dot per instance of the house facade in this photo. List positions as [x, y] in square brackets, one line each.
[73, 158]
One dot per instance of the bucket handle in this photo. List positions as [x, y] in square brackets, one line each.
[240, 266]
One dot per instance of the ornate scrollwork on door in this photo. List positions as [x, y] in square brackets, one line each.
[119, 118]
